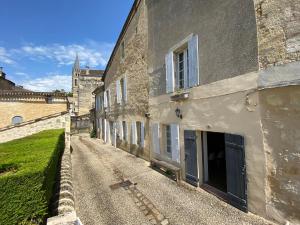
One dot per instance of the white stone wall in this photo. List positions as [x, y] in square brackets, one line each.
[33, 128]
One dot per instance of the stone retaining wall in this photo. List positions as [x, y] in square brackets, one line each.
[56, 121]
[64, 201]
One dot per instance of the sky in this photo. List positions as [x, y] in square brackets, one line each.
[39, 39]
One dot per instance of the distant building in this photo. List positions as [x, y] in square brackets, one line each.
[84, 82]
[18, 105]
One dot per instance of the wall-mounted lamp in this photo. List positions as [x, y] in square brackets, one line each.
[178, 113]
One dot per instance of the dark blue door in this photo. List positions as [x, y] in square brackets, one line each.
[236, 171]
[191, 168]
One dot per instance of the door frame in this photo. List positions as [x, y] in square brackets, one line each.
[220, 194]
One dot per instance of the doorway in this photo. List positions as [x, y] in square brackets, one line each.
[216, 161]
[224, 167]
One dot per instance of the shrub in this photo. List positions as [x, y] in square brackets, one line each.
[29, 167]
[93, 133]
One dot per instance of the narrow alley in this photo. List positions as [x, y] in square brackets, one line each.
[114, 187]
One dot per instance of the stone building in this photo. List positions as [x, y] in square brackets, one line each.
[84, 81]
[215, 86]
[122, 104]
[224, 99]
[18, 105]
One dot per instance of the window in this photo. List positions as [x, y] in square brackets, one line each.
[122, 49]
[181, 71]
[124, 127]
[17, 120]
[49, 100]
[168, 139]
[75, 81]
[122, 89]
[182, 65]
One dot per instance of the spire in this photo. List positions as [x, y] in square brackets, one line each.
[76, 63]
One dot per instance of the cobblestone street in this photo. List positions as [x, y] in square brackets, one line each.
[114, 187]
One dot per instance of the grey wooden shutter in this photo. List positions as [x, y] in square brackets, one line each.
[193, 77]
[118, 91]
[142, 135]
[99, 125]
[236, 171]
[114, 134]
[105, 131]
[155, 138]
[125, 88]
[170, 79]
[109, 98]
[105, 99]
[133, 133]
[175, 142]
[126, 135]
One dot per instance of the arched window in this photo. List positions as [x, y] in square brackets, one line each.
[16, 120]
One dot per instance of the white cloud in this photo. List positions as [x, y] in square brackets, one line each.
[5, 56]
[49, 83]
[92, 54]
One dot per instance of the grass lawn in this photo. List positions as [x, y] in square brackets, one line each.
[28, 167]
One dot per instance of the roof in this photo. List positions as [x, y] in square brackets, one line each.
[89, 72]
[30, 93]
[123, 31]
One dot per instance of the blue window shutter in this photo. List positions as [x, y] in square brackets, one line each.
[193, 61]
[155, 138]
[175, 142]
[170, 79]
[142, 135]
[105, 99]
[118, 91]
[125, 89]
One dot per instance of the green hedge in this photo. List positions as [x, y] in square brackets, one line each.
[28, 167]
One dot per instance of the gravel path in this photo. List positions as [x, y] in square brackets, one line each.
[152, 198]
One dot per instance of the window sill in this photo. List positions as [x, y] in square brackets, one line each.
[180, 96]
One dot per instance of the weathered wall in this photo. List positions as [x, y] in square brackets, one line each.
[28, 110]
[85, 97]
[278, 25]
[280, 111]
[229, 106]
[226, 31]
[33, 128]
[134, 66]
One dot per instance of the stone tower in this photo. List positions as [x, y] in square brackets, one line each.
[84, 82]
[75, 83]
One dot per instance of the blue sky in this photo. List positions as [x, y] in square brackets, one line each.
[39, 38]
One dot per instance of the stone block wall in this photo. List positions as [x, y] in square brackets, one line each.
[280, 110]
[27, 110]
[85, 97]
[133, 66]
[278, 26]
[23, 130]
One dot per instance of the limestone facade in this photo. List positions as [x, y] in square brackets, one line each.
[124, 98]
[84, 82]
[216, 68]
[29, 105]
